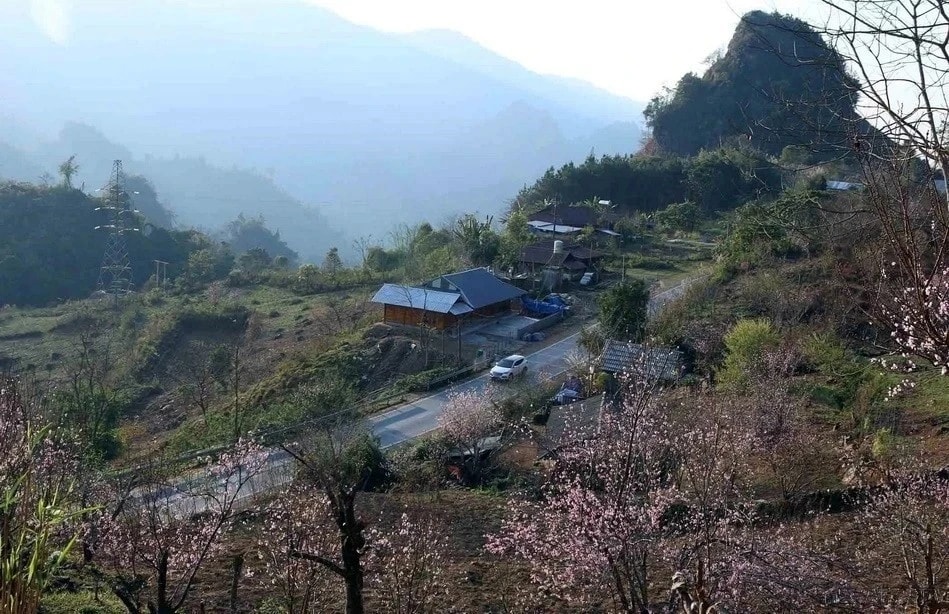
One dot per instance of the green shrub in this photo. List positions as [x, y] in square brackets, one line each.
[85, 602]
[826, 354]
[604, 381]
[530, 398]
[623, 309]
[745, 345]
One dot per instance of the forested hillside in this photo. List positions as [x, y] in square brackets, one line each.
[194, 192]
[50, 249]
[777, 84]
[715, 180]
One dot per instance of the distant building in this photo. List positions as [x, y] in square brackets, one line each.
[573, 260]
[564, 220]
[843, 186]
[634, 359]
[846, 186]
[447, 301]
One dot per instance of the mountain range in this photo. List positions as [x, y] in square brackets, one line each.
[329, 129]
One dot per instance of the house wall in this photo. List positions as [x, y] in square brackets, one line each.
[442, 321]
[413, 317]
[489, 311]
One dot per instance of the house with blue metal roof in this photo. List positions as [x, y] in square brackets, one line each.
[448, 300]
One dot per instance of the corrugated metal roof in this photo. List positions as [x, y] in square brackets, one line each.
[843, 185]
[480, 288]
[571, 216]
[633, 358]
[418, 298]
[555, 228]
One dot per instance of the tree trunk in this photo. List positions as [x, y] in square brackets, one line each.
[237, 566]
[352, 544]
[161, 599]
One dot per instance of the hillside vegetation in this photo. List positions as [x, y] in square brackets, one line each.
[770, 433]
[51, 251]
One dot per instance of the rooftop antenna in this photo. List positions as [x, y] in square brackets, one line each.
[115, 274]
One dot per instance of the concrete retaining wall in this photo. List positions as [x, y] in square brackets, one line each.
[539, 325]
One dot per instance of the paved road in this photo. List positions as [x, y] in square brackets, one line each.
[412, 420]
[419, 417]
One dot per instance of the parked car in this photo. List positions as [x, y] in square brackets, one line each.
[509, 368]
[570, 391]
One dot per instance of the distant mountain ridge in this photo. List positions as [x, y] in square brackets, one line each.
[567, 92]
[371, 129]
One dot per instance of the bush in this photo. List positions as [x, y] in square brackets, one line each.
[826, 354]
[529, 399]
[758, 233]
[81, 603]
[745, 345]
[592, 340]
[604, 381]
[420, 466]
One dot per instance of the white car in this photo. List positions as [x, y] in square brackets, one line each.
[509, 368]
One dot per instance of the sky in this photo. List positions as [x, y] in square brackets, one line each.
[629, 47]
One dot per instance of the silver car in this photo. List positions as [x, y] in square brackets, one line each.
[509, 368]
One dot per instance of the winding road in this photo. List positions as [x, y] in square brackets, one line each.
[412, 420]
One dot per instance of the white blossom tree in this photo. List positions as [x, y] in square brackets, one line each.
[467, 421]
[151, 546]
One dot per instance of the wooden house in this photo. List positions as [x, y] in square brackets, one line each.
[448, 301]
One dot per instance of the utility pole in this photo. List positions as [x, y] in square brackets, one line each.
[115, 274]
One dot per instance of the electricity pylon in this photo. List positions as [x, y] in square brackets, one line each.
[115, 274]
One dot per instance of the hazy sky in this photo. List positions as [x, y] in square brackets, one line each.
[630, 47]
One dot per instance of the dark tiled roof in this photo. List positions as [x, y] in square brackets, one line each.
[542, 252]
[543, 255]
[569, 216]
[571, 423]
[479, 287]
[632, 358]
